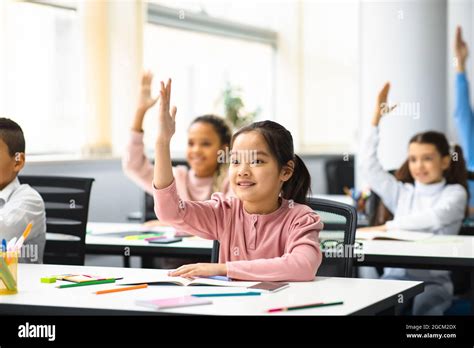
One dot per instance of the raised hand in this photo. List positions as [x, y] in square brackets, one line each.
[167, 116]
[461, 51]
[163, 172]
[382, 107]
[145, 100]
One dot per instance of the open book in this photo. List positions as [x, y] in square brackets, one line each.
[407, 236]
[166, 280]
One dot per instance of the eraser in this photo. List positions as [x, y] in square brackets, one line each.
[48, 280]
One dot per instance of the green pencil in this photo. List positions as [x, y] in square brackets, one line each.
[92, 282]
[312, 305]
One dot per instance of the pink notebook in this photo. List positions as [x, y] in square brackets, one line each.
[182, 301]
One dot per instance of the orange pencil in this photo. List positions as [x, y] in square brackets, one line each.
[27, 230]
[108, 291]
[20, 241]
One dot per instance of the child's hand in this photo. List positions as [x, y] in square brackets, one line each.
[460, 49]
[200, 270]
[145, 100]
[166, 119]
[382, 107]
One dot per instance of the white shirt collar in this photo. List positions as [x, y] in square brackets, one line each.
[429, 189]
[9, 189]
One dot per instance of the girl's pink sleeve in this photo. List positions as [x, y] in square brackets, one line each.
[300, 261]
[205, 219]
[135, 164]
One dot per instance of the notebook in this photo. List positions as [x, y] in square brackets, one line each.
[166, 280]
[183, 301]
[408, 236]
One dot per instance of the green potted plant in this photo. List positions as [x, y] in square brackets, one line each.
[234, 107]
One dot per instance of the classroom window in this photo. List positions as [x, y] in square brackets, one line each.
[41, 81]
[330, 65]
[201, 63]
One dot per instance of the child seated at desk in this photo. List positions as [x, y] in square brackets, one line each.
[267, 233]
[19, 204]
[206, 136]
[428, 193]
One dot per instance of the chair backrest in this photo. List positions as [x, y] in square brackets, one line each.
[215, 252]
[375, 210]
[67, 207]
[470, 176]
[340, 224]
[340, 221]
[467, 229]
[149, 204]
[461, 279]
[339, 174]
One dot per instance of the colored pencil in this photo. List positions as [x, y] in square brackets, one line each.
[94, 282]
[311, 305]
[108, 291]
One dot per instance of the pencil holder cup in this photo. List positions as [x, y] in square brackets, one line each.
[8, 273]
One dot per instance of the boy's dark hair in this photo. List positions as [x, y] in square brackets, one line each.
[12, 135]
[280, 143]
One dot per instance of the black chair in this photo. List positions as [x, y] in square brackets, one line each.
[215, 252]
[341, 222]
[375, 210]
[339, 174]
[67, 206]
[461, 279]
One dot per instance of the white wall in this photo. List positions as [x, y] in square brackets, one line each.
[404, 42]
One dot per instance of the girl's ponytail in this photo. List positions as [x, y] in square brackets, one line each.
[457, 171]
[298, 186]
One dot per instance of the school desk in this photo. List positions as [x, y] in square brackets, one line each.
[360, 296]
[438, 252]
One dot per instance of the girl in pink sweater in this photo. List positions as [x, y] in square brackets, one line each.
[266, 233]
[206, 136]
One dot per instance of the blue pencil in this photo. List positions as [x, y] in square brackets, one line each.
[225, 294]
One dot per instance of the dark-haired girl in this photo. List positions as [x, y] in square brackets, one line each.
[427, 194]
[207, 136]
[266, 232]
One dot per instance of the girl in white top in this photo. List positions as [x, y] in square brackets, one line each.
[428, 193]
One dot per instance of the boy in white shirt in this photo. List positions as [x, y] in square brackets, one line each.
[19, 204]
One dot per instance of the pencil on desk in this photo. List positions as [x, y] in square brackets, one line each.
[108, 291]
[94, 282]
[226, 294]
[312, 305]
